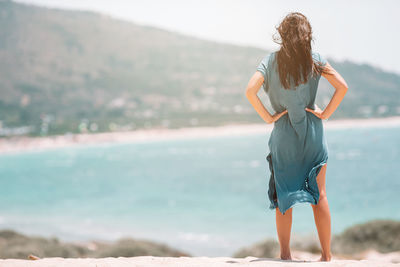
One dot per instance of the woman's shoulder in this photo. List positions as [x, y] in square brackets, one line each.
[318, 57]
[264, 65]
[269, 58]
[273, 53]
[315, 55]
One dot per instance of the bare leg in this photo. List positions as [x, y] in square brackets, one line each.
[283, 227]
[322, 217]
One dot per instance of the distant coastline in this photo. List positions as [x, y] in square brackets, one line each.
[22, 144]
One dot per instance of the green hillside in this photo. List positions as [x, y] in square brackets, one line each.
[68, 71]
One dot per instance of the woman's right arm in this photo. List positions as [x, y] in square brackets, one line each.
[253, 87]
[340, 85]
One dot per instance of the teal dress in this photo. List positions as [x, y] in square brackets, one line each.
[297, 144]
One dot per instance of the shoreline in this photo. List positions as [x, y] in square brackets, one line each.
[25, 144]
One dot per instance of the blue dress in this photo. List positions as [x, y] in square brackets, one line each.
[297, 144]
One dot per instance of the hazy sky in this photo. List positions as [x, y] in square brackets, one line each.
[361, 31]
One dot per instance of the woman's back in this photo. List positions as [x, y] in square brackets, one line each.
[295, 99]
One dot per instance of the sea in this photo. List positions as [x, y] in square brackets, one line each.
[204, 196]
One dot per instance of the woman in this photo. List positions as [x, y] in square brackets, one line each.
[298, 149]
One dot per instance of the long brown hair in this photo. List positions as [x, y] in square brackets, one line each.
[294, 57]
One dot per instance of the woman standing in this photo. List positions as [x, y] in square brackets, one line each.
[298, 148]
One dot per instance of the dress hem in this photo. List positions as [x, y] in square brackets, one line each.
[310, 186]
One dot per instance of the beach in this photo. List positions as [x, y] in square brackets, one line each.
[373, 260]
[22, 143]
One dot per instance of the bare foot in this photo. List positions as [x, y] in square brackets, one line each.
[286, 257]
[326, 257]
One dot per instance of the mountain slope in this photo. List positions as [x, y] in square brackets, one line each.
[70, 71]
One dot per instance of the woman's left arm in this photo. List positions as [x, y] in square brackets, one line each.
[252, 89]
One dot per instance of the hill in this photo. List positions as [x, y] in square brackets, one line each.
[76, 71]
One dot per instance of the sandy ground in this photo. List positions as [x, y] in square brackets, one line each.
[372, 259]
[20, 144]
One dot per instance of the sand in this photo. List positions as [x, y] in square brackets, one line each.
[373, 259]
[22, 144]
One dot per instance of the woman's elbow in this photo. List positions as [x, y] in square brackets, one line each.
[249, 93]
[344, 89]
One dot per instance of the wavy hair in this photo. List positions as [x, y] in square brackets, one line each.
[294, 57]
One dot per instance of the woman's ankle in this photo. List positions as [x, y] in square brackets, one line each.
[326, 256]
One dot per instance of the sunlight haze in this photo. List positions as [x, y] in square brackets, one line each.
[360, 31]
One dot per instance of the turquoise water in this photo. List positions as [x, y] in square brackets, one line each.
[204, 196]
